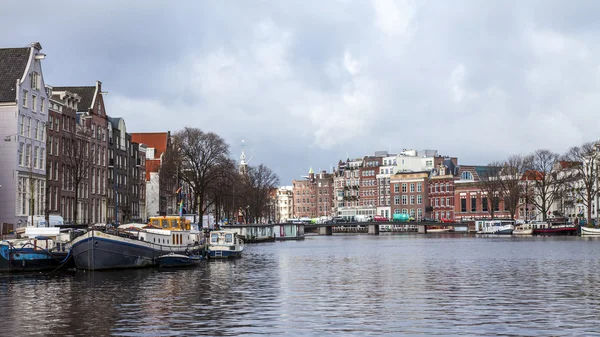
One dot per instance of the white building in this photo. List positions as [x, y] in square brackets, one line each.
[415, 161]
[23, 117]
[383, 185]
[285, 203]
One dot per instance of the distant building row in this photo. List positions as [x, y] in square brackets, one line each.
[421, 184]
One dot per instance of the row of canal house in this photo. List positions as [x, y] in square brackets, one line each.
[421, 184]
[62, 154]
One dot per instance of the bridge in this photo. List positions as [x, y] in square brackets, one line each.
[373, 227]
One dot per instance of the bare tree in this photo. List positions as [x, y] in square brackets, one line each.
[260, 183]
[543, 175]
[201, 154]
[222, 190]
[491, 184]
[77, 160]
[511, 174]
[168, 180]
[584, 171]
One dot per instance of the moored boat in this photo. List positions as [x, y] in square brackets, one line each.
[590, 231]
[439, 229]
[224, 244]
[495, 227]
[134, 245]
[523, 229]
[173, 260]
[549, 228]
[39, 249]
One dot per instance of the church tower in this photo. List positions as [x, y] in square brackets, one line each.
[243, 167]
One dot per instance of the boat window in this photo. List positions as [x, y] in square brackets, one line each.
[155, 223]
[214, 238]
[165, 223]
[154, 240]
[174, 223]
[228, 238]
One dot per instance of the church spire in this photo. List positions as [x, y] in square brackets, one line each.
[243, 167]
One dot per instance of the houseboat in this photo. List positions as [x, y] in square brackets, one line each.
[289, 231]
[254, 233]
[135, 245]
[495, 226]
[224, 244]
[39, 248]
[554, 228]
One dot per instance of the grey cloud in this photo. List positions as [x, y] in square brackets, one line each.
[310, 82]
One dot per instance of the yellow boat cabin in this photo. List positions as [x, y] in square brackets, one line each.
[172, 223]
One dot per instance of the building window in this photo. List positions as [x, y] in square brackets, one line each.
[484, 204]
[448, 202]
[42, 150]
[35, 81]
[463, 205]
[404, 200]
[28, 155]
[473, 204]
[412, 199]
[419, 213]
[33, 102]
[404, 211]
[442, 188]
[21, 154]
[35, 157]
[412, 187]
[403, 187]
[419, 187]
[42, 104]
[28, 127]
[419, 199]
[396, 188]
[437, 202]
[22, 125]
[466, 176]
[396, 200]
[36, 129]
[25, 98]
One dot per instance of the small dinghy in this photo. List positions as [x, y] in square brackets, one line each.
[179, 260]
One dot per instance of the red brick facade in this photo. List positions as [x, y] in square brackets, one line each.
[313, 197]
[409, 193]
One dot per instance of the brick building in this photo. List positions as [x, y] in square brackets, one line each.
[313, 196]
[92, 123]
[368, 185]
[470, 200]
[62, 131]
[441, 192]
[409, 193]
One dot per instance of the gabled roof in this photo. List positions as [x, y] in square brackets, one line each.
[532, 175]
[156, 140]
[569, 164]
[152, 165]
[13, 62]
[86, 94]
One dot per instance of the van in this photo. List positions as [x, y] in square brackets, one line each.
[40, 221]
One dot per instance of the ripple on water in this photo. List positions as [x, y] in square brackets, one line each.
[341, 285]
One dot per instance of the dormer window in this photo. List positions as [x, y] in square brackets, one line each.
[466, 176]
[99, 109]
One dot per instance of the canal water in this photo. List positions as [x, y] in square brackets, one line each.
[344, 285]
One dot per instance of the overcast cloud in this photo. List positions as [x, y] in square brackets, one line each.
[307, 83]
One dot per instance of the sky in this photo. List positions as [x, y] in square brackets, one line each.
[307, 83]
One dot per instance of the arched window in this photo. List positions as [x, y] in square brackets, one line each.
[466, 176]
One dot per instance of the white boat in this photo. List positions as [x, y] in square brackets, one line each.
[523, 229]
[497, 227]
[590, 231]
[224, 244]
[438, 230]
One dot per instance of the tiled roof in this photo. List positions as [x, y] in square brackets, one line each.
[156, 140]
[13, 62]
[86, 93]
[152, 165]
[532, 175]
[569, 164]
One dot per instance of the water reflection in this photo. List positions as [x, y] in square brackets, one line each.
[342, 285]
